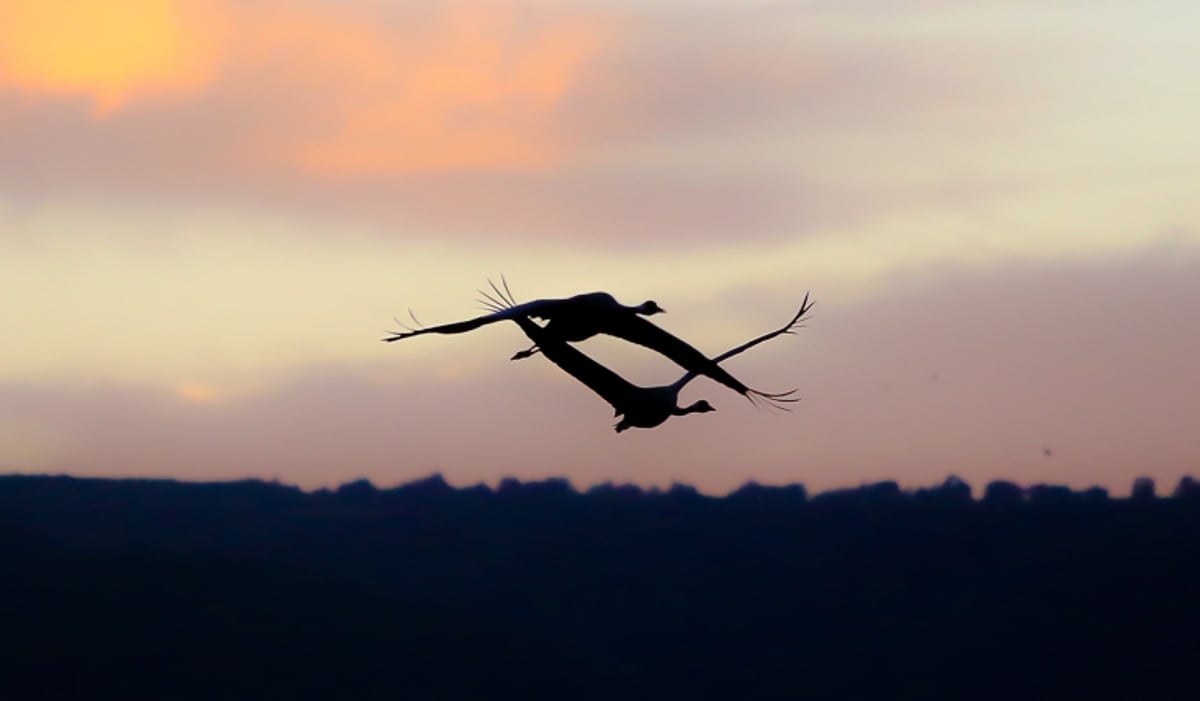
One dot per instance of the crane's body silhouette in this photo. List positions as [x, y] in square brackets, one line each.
[578, 318]
[640, 407]
[572, 319]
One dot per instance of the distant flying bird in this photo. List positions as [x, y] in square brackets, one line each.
[642, 407]
[1047, 452]
[578, 318]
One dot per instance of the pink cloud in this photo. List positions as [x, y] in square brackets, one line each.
[471, 118]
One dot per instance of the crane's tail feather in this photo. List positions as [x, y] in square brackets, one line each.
[492, 302]
[501, 299]
[497, 289]
[773, 401]
[489, 303]
[511, 297]
[497, 300]
[418, 328]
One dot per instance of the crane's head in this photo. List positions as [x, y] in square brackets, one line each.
[700, 407]
[650, 307]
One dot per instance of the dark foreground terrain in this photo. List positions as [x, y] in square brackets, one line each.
[249, 590]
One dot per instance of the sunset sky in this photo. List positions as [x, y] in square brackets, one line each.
[210, 211]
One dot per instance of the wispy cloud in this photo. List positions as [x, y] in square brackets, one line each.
[597, 122]
[346, 90]
[455, 86]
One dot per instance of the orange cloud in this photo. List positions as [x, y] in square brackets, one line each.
[473, 85]
[109, 51]
[331, 89]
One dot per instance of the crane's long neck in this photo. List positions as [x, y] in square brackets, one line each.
[678, 385]
[690, 409]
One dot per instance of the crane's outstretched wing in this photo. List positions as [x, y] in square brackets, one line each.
[456, 327]
[500, 314]
[788, 328]
[613, 388]
[646, 333]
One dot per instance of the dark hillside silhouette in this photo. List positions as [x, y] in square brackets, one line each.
[161, 589]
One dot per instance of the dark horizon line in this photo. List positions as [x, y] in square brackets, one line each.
[435, 485]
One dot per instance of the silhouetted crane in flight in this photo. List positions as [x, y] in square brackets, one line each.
[642, 407]
[578, 318]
